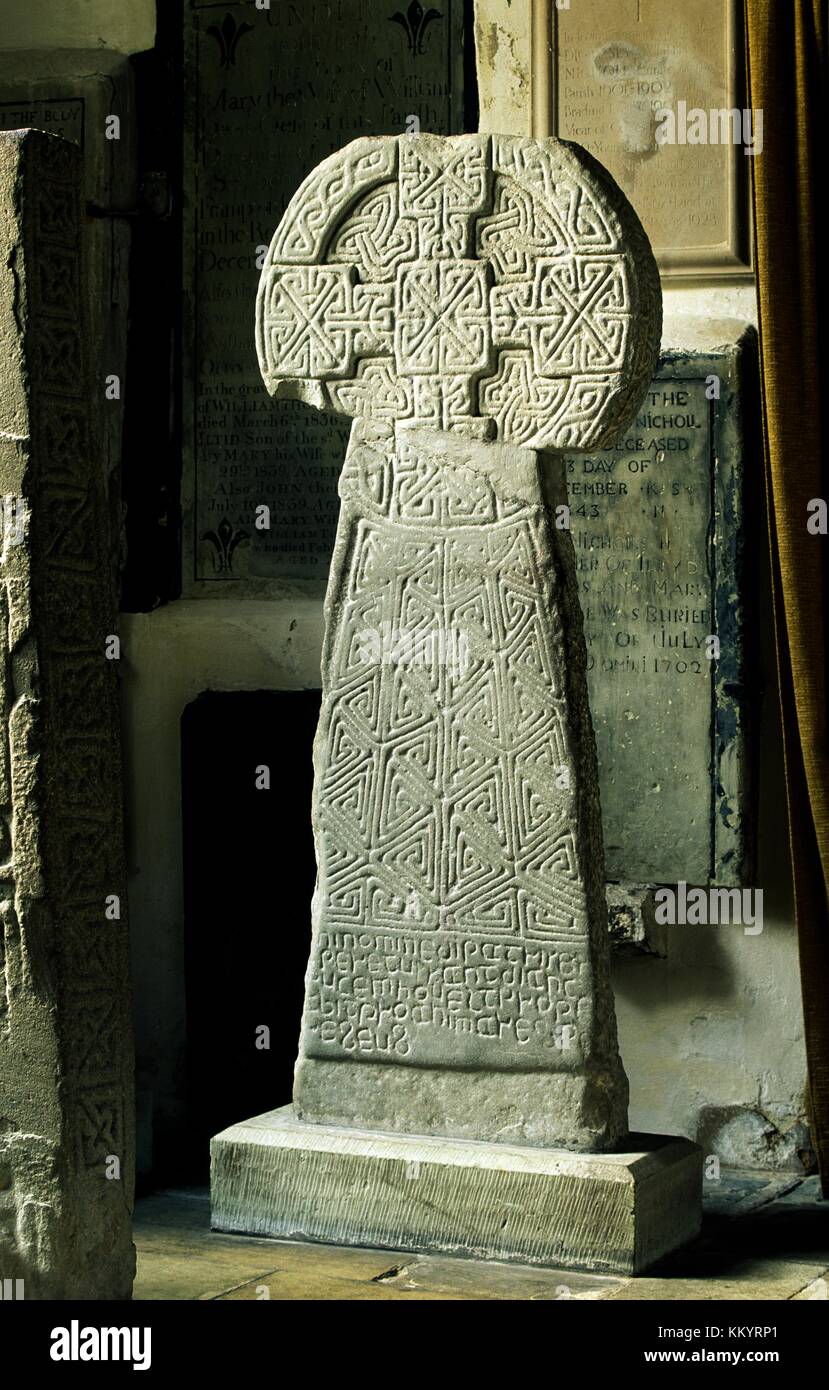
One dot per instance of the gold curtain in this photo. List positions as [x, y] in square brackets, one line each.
[786, 60]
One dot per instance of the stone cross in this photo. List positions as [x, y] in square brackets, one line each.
[449, 293]
[470, 301]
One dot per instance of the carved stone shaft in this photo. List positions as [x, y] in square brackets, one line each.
[459, 969]
[66, 1124]
[472, 289]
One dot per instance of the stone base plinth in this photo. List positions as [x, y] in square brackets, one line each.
[275, 1175]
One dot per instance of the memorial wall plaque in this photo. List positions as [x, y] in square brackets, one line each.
[55, 115]
[269, 93]
[616, 63]
[657, 529]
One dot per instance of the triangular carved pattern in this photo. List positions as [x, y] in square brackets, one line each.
[439, 805]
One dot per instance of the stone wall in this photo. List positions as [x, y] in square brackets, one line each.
[128, 26]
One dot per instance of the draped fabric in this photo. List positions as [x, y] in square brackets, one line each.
[786, 50]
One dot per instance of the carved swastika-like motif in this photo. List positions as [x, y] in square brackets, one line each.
[442, 321]
[492, 285]
[442, 185]
[318, 320]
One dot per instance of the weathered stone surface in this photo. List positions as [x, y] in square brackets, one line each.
[65, 1006]
[746, 1280]
[817, 1290]
[631, 914]
[498, 286]
[276, 1176]
[459, 969]
[71, 93]
[491, 287]
[765, 1137]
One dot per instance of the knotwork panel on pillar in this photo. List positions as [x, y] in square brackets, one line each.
[489, 285]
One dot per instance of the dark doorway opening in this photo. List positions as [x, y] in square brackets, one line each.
[249, 874]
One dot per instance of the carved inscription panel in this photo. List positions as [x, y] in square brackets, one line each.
[658, 531]
[617, 66]
[57, 116]
[391, 996]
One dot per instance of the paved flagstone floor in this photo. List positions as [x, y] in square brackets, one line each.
[765, 1235]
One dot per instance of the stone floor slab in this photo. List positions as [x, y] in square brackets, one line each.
[317, 1286]
[438, 1276]
[740, 1281]
[817, 1291]
[179, 1257]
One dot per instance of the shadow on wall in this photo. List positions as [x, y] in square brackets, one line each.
[248, 880]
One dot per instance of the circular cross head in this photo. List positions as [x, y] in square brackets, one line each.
[498, 286]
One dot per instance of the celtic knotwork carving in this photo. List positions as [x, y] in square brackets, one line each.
[442, 321]
[443, 184]
[497, 286]
[375, 236]
[319, 320]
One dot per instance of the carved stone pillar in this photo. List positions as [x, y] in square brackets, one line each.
[470, 301]
[66, 1123]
